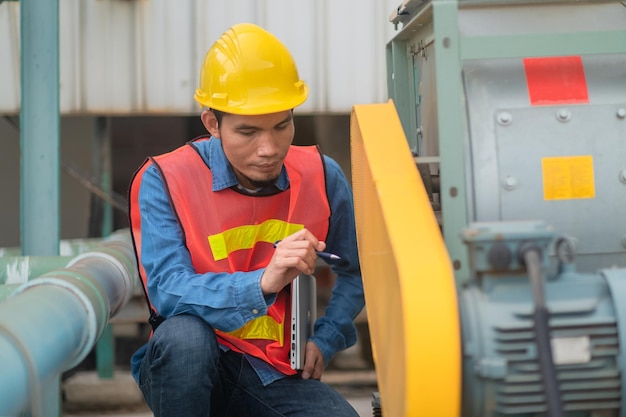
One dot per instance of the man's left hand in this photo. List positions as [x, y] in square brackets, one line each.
[313, 362]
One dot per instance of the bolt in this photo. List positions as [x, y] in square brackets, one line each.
[621, 113]
[505, 118]
[563, 115]
[622, 176]
[510, 183]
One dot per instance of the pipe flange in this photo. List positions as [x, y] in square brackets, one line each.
[128, 282]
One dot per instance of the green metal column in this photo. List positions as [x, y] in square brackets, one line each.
[102, 225]
[452, 131]
[401, 88]
[40, 127]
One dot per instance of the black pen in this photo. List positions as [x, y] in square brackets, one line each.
[330, 258]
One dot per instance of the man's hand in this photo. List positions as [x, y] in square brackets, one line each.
[313, 362]
[294, 255]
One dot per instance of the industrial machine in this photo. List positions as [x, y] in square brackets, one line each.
[495, 272]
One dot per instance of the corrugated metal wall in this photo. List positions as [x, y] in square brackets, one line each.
[144, 56]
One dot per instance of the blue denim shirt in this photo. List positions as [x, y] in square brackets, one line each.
[228, 301]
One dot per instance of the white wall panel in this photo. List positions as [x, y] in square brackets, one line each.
[167, 78]
[71, 64]
[144, 56]
[296, 23]
[108, 55]
[9, 59]
[357, 74]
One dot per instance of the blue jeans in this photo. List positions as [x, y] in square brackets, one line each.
[185, 373]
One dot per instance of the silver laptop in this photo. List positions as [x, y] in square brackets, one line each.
[303, 315]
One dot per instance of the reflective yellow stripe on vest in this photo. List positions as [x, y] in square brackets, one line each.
[263, 327]
[245, 237]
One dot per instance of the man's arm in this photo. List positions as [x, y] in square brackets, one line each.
[336, 331]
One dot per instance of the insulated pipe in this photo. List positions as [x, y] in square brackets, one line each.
[51, 323]
[73, 247]
[19, 269]
[7, 290]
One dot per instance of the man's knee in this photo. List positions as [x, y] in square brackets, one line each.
[187, 337]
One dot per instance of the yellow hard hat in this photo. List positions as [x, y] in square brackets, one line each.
[248, 71]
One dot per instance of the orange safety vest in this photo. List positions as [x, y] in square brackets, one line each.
[226, 231]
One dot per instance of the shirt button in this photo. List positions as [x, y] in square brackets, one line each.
[255, 311]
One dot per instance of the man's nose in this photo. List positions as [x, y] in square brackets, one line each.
[267, 144]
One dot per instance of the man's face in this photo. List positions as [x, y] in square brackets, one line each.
[255, 145]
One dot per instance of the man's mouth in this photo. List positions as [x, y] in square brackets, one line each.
[266, 167]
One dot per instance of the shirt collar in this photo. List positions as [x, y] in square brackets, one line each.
[222, 171]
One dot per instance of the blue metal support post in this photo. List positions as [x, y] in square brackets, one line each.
[40, 127]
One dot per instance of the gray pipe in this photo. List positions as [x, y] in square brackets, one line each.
[48, 325]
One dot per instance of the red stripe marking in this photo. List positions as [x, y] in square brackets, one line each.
[556, 80]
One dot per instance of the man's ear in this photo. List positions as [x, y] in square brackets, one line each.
[210, 123]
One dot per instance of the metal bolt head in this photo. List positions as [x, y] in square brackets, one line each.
[563, 115]
[509, 183]
[621, 113]
[504, 118]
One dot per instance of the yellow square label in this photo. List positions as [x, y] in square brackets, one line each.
[568, 177]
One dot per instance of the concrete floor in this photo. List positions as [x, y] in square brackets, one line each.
[85, 395]
[361, 405]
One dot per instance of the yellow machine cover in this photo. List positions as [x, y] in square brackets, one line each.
[409, 284]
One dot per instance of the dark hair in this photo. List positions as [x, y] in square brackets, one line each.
[219, 115]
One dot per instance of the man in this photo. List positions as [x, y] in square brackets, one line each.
[221, 227]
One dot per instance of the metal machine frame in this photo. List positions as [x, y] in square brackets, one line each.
[437, 23]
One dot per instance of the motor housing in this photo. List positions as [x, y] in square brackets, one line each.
[501, 367]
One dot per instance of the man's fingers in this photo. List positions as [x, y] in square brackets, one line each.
[302, 239]
[294, 254]
[313, 362]
[303, 259]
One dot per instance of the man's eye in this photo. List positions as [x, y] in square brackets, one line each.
[281, 127]
[247, 132]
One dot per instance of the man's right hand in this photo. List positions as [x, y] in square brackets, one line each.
[294, 255]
